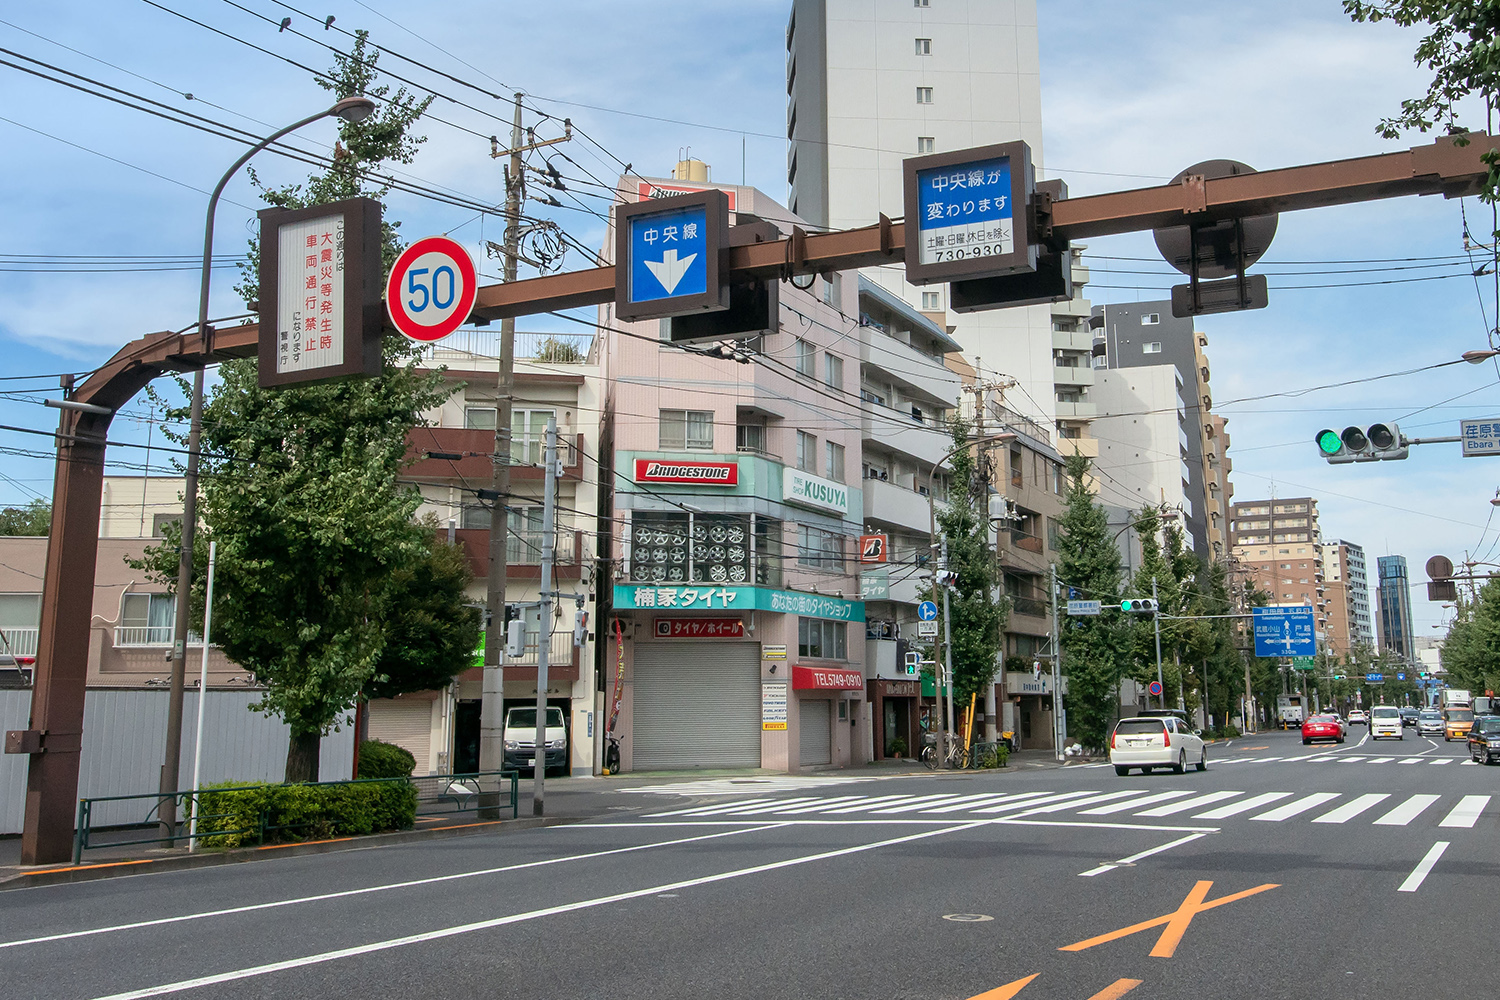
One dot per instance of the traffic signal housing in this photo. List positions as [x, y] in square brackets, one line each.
[1139, 606]
[1375, 443]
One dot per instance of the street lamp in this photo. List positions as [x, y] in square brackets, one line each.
[351, 109]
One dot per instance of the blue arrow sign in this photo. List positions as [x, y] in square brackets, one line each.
[1374, 678]
[1284, 631]
[668, 254]
[927, 611]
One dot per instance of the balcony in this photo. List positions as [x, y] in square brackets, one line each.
[1079, 340]
[926, 442]
[1029, 606]
[1076, 410]
[909, 366]
[1088, 447]
[1072, 375]
[896, 506]
[22, 640]
[523, 553]
[149, 635]
[477, 447]
[560, 651]
[1023, 540]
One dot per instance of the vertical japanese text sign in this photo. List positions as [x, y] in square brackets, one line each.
[968, 213]
[320, 284]
[667, 256]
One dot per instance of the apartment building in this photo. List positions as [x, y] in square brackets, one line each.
[1277, 545]
[1074, 361]
[1348, 593]
[1217, 465]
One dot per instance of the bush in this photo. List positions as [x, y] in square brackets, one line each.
[378, 759]
[304, 812]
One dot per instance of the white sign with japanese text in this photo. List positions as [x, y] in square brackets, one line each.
[310, 296]
[965, 211]
[1480, 437]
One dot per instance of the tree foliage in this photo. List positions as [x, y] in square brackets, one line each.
[1471, 653]
[33, 519]
[1095, 648]
[976, 611]
[1460, 50]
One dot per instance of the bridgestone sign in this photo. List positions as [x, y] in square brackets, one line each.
[652, 470]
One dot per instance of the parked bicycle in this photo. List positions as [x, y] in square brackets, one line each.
[957, 757]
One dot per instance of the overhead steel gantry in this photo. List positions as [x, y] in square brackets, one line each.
[54, 736]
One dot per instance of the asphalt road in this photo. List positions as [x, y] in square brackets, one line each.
[1282, 871]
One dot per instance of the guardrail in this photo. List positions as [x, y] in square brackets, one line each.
[437, 795]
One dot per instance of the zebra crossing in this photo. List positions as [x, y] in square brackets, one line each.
[1325, 808]
[1323, 758]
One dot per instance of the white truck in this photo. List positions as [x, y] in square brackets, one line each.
[1291, 709]
[520, 739]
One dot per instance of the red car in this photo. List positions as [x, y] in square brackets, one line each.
[1322, 727]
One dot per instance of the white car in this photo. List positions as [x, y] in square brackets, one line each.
[1152, 741]
[1358, 718]
[1385, 720]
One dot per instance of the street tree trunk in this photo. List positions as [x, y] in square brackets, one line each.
[302, 757]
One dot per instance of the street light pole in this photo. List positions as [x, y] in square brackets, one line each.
[1161, 699]
[350, 109]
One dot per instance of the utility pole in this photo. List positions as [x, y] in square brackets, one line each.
[544, 630]
[981, 403]
[1059, 723]
[947, 651]
[1161, 699]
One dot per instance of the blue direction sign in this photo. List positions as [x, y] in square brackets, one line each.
[1284, 631]
[1374, 678]
[966, 213]
[1400, 676]
[667, 256]
[927, 611]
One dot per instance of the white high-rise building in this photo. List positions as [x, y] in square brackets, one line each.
[873, 82]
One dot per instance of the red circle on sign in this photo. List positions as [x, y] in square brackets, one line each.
[432, 288]
[1154, 687]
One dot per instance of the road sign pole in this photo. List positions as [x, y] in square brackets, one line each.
[544, 630]
[1156, 621]
[947, 650]
[1059, 725]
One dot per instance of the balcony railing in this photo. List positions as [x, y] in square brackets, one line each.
[149, 635]
[22, 640]
[559, 652]
[1029, 606]
[1025, 540]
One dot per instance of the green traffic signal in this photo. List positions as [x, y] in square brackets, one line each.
[1329, 442]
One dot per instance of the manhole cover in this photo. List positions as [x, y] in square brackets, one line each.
[968, 918]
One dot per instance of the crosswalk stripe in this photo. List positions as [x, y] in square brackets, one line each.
[1291, 809]
[872, 803]
[809, 807]
[1471, 763]
[700, 810]
[1235, 808]
[1380, 760]
[1115, 807]
[1466, 813]
[1442, 760]
[1407, 811]
[1049, 799]
[1410, 760]
[742, 808]
[1104, 797]
[982, 800]
[1349, 810]
[921, 802]
[1207, 798]
[1349, 760]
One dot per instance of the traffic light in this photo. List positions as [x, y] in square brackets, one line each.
[946, 578]
[1139, 606]
[1375, 443]
[912, 664]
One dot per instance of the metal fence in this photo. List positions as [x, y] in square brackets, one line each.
[437, 795]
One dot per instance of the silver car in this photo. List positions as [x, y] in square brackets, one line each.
[1429, 722]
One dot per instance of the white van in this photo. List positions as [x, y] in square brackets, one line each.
[1385, 720]
[520, 739]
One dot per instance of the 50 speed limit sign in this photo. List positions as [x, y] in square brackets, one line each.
[431, 289]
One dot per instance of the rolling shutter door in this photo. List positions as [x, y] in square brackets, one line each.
[815, 732]
[406, 723]
[696, 704]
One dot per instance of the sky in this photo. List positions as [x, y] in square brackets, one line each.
[101, 218]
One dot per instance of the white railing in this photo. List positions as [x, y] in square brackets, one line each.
[150, 635]
[547, 348]
[559, 653]
[22, 641]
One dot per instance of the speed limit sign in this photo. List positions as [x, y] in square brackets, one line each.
[431, 289]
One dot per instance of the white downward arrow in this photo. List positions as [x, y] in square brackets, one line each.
[669, 270]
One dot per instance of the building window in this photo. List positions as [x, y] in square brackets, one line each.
[750, 435]
[1154, 347]
[834, 466]
[159, 523]
[807, 452]
[926, 144]
[523, 542]
[687, 430]
[479, 418]
[833, 291]
[474, 516]
[802, 355]
[1150, 319]
[924, 95]
[819, 549]
[932, 301]
[528, 435]
[921, 3]
[1054, 533]
[924, 46]
[146, 620]
[822, 640]
[833, 370]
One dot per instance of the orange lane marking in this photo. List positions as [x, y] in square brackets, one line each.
[1176, 922]
[102, 864]
[1255, 748]
[303, 843]
[1007, 991]
[1117, 989]
[465, 826]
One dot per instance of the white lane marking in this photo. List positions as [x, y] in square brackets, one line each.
[1291, 809]
[1349, 810]
[920, 803]
[1349, 760]
[516, 918]
[1104, 797]
[1410, 760]
[1431, 748]
[1380, 760]
[1112, 865]
[873, 803]
[740, 808]
[1466, 813]
[1419, 874]
[1007, 806]
[693, 809]
[1441, 760]
[343, 893]
[801, 807]
[1471, 763]
[1407, 811]
[759, 784]
[1115, 807]
[1235, 808]
[984, 800]
[1176, 807]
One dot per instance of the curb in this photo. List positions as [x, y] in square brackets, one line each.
[20, 878]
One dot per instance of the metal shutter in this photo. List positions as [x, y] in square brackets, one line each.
[815, 732]
[406, 723]
[696, 704]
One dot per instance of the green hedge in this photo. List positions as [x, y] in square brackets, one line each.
[378, 759]
[304, 812]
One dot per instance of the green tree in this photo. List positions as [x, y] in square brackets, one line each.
[1460, 51]
[1093, 647]
[976, 610]
[33, 519]
[317, 550]
[1471, 652]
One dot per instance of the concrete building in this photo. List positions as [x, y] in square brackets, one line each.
[1348, 594]
[1395, 607]
[1073, 363]
[1277, 545]
[873, 82]
[1217, 465]
[736, 636]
